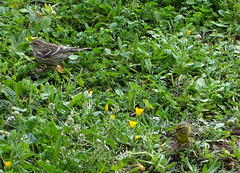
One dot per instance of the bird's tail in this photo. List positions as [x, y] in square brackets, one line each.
[82, 49]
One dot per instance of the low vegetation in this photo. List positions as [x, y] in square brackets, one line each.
[153, 65]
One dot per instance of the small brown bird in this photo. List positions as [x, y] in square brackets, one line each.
[52, 54]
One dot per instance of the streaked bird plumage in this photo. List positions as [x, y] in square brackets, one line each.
[52, 54]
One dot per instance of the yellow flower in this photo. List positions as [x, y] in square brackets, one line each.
[139, 111]
[4, 132]
[106, 107]
[132, 123]
[8, 164]
[229, 131]
[112, 117]
[137, 137]
[32, 38]
[90, 93]
[188, 32]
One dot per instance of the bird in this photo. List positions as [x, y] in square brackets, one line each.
[184, 132]
[52, 54]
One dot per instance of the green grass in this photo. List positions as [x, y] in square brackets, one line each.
[143, 56]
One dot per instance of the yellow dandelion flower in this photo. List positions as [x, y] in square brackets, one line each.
[229, 131]
[32, 38]
[112, 117]
[132, 123]
[139, 111]
[188, 32]
[106, 107]
[5, 133]
[7, 164]
[90, 93]
[137, 137]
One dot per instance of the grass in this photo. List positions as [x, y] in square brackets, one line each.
[177, 61]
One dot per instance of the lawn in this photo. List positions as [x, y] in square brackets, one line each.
[153, 65]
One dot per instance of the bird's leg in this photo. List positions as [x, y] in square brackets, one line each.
[42, 68]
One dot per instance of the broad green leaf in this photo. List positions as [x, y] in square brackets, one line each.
[214, 166]
[19, 109]
[57, 147]
[219, 24]
[135, 42]
[120, 44]
[73, 57]
[9, 93]
[204, 170]
[111, 143]
[113, 26]
[171, 165]
[45, 23]
[24, 10]
[190, 2]
[75, 99]
[48, 168]
[148, 105]
[60, 28]
[148, 64]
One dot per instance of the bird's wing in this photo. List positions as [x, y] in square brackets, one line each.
[63, 49]
[53, 50]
